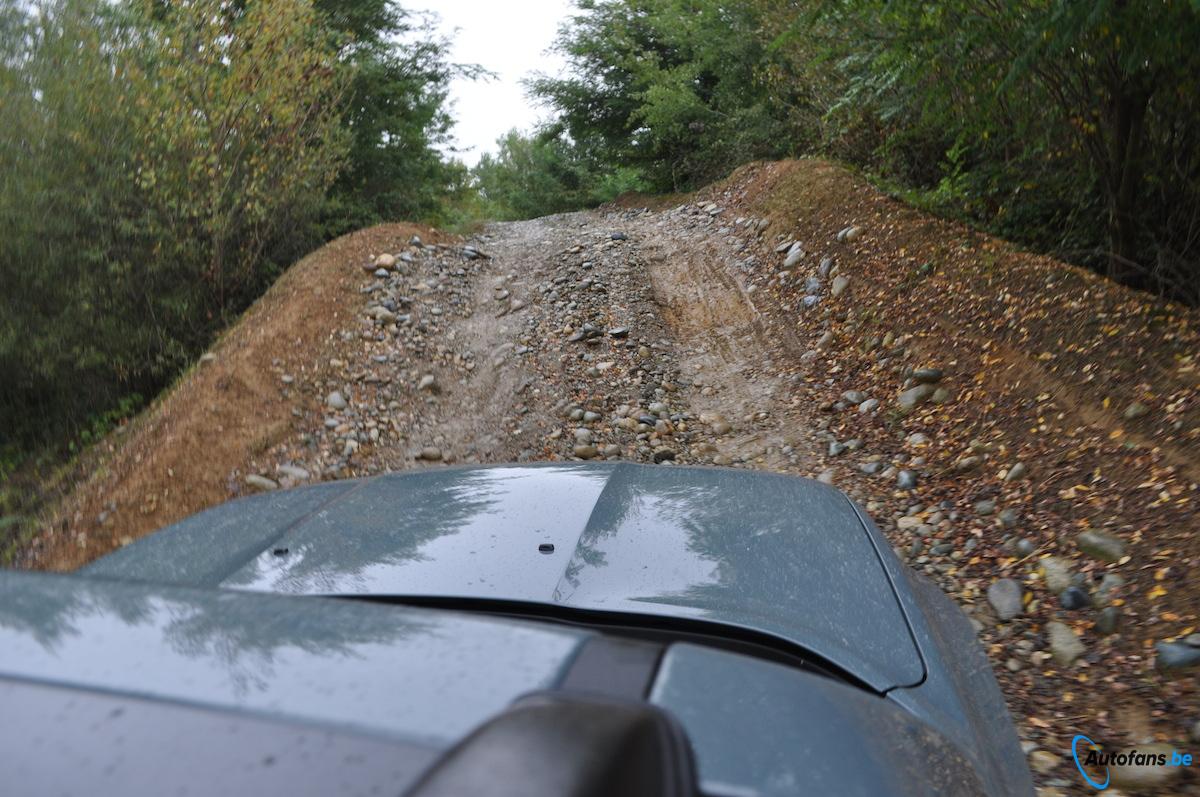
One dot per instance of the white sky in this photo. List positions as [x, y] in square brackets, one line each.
[510, 39]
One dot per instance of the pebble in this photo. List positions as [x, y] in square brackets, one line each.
[839, 285]
[1064, 644]
[430, 453]
[261, 482]
[1136, 410]
[870, 405]
[1005, 595]
[927, 376]
[585, 451]
[293, 472]
[1108, 620]
[1056, 573]
[336, 401]
[1073, 598]
[967, 464]
[1108, 584]
[1176, 656]
[1099, 545]
[906, 480]
[985, 508]
[1016, 472]
[428, 382]
[1044, 761]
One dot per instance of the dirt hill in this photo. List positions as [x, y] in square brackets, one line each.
[1025, 432]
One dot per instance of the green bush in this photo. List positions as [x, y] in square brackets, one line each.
[161, 163]
[1073, 127]
[542, 174]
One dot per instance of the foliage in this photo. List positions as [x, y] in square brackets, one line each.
[396, 114]
[237, 116]
[681, 90]
[545, 173]
[160, 163]
[1074, 127]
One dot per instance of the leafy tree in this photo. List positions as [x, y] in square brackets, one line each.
[237, 111]
[1074, 126]
[680, 89]
[545, 173]
[155, 163]
[396, 113]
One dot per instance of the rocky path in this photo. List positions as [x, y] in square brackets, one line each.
[694, 335]
[635, 335]
[584, 336]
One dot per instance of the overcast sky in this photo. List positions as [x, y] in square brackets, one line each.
[510, 39]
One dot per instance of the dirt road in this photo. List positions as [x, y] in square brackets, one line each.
[887, 358]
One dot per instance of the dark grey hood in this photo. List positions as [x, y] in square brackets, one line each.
[777, 555]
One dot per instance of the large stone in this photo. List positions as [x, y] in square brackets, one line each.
[1005, 596]
[915, 396]
[1174, 656]
[1065, 646]
[1101, 546]
[1056, 573]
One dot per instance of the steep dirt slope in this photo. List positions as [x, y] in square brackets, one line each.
[987, 406]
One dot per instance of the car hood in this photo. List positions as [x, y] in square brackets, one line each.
[780, 556]
[334, 663]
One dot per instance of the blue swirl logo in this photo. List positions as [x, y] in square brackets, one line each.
[1079, 765]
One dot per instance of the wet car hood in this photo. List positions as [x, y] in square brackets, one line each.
[776, 555]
